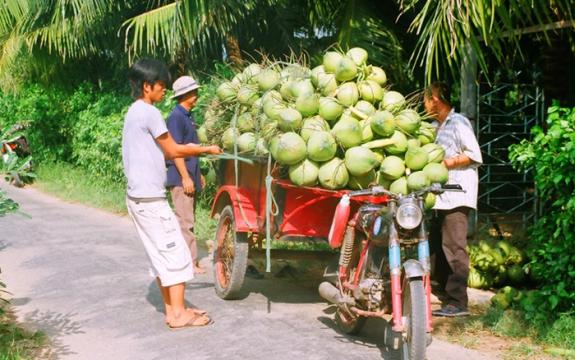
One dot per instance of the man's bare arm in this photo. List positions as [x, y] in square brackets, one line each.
[174, 150]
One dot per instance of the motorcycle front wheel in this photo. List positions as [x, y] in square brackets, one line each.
[414, 341]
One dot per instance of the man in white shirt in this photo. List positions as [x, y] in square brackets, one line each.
[146, 144]
[449, 233]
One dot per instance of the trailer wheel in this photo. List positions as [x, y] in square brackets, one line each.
[230, 257]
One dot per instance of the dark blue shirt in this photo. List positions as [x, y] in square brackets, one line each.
[182, 127]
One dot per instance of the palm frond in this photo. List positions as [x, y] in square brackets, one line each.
[447, 29]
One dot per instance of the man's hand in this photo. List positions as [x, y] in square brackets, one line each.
[188, 185]
[213, 150]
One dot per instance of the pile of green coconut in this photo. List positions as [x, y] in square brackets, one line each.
[337, 125]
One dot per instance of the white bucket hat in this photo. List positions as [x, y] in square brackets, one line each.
[183, 85]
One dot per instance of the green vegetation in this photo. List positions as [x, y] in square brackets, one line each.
[17, 343]
[515, 335]
[550, 156]
[74, 184]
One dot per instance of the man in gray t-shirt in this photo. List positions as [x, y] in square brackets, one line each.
[146, 144]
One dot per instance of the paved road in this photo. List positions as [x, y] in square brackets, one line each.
[80, 275]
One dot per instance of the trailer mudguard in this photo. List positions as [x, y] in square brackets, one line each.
[245, 212]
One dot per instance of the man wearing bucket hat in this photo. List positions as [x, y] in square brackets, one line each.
[184, 178]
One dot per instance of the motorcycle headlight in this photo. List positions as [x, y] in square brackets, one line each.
[409, 216]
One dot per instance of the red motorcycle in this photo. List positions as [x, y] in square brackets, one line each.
[384, 267]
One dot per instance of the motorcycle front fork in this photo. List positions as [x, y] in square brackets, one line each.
[395, 272]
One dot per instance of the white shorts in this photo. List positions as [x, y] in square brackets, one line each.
[160, 233]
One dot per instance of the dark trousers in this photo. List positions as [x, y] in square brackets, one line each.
[450, 261]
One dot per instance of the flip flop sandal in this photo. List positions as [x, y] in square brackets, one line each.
[196, 311]
[193, 323]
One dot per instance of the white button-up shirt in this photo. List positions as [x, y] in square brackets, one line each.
[456, 136]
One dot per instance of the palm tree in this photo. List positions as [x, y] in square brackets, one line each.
[271, 27]
[448, 30]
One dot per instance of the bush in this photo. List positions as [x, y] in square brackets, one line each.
[550, 155]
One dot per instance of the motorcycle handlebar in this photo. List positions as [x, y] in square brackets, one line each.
[434, 188]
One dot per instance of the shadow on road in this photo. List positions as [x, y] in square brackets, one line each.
[56, 326]
[155, 298]
[371, 336]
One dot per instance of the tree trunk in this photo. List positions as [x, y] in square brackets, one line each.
[234, 52]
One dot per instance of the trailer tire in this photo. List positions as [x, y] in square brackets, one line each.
[230, 257]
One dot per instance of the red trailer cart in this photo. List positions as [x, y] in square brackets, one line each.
[295, 211]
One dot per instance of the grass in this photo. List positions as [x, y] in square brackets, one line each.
[76, 185]
[509, 335]
[17, 343]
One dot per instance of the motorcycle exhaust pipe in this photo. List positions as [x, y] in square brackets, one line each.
[330, 293]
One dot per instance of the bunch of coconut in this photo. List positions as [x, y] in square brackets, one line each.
[337, 125]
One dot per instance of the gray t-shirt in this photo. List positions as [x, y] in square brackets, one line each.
[144, 162]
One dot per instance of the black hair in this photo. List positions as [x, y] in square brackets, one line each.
[441, 90]
[148, 71]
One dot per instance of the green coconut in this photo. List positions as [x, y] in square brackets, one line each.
[288, 148]
[400, 144]
[251, 72]
[302, 88]
[327, 84]
[365, 108]
[413, 143]
[360, 160]
[245, 122]
[392, 101]
[358, 55]
[226, 92]
[383, 123]
[435, 152]
[330, 108]
[416, 158]
[346, 70]
[304, 173]
[379, 155]
[289, 120]
[333, 174]
[331, 60]
[378, 75]
[399, 186]
[307, 105]
[313, 124]
[386, 183]
[321, 146]
[286, 90]
[429, 201]
[229, 137]
[247, 95]
[436, 173]
[423, 140]
[247, 142]
[347, 132]
[268, 79]
[366, 132]
[202, 135]
[362, 182]
[417, 180]
[392, 168]
[272, 105]
[314, 74]
[347, 94]
[238, 79]
[261, 147]
[408, 120]
[370, 90]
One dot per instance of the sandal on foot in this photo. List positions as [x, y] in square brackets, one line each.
[194, 322]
